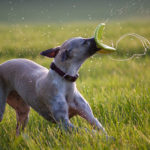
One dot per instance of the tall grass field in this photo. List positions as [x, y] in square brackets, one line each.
[118, 92]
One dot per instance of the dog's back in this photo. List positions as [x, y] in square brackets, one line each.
[20, 66]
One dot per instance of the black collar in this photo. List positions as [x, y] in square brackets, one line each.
[62, 74]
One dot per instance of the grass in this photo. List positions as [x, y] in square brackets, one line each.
[118, 92]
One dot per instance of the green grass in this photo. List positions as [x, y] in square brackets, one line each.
[118, 92]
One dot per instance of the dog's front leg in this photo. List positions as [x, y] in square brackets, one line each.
[84, 110]
[59, 111]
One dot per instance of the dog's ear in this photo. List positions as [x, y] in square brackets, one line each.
[51, 52]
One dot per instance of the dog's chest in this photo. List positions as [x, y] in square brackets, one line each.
[69, 92]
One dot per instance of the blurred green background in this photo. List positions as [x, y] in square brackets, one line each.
[60, 11]
[118, 92]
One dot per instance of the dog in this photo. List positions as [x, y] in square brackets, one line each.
[52, 93]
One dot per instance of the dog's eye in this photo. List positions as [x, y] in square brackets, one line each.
[84, 42]
[66, 54]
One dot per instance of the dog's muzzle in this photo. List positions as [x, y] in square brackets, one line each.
[92, 48]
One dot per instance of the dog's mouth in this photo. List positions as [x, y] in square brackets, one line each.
[93, 47]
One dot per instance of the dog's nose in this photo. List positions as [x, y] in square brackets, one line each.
[91, 39]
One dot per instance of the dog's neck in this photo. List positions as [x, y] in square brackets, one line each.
[70, 69]
[63, 74]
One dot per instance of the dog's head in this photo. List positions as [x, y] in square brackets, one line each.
[74, 50]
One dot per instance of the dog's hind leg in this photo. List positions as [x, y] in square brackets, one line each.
[22, 110]
[22, 119]
[3, 96]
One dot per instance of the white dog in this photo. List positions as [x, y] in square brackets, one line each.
[52, 93]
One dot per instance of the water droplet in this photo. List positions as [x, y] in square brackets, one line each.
[73, 6]
[11, 8]
[26, 26]
[68, 14]
[77, 29]
[10, 2]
